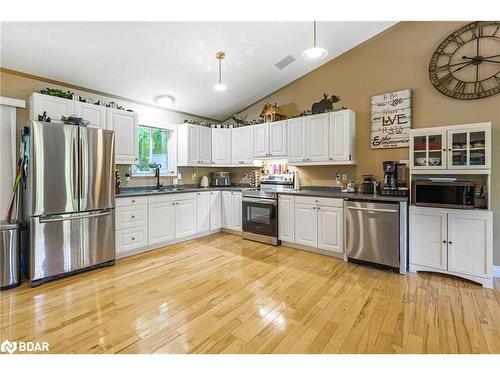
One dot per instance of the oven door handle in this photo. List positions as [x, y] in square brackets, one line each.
[269, 202]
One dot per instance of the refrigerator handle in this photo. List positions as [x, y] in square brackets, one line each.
[53, 218]
[82, 169]
[75, 167]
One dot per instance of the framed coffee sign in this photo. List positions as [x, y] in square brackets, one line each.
[391, 119]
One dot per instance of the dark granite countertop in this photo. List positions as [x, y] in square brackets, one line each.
[331, 192]
[151, 190]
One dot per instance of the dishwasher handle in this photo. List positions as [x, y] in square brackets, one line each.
[372, 209]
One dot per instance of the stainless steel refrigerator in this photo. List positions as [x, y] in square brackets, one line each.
[69, 200]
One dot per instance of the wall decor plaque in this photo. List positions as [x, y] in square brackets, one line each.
[391, 119]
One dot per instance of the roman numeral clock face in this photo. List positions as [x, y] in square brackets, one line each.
[466, 65]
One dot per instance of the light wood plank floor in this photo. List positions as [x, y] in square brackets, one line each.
[222, 294]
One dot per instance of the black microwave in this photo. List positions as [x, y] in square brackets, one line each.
[452, 194]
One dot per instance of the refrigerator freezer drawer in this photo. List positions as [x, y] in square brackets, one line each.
[63, 244]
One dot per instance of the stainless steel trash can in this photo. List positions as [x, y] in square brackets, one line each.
[10, 264]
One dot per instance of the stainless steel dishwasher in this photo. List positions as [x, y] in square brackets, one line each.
[376, 233]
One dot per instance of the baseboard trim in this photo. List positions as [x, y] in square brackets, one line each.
[496, 271]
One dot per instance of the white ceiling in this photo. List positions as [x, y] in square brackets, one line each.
[141, 60]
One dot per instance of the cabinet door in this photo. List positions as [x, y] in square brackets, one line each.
[306, 220]
[205, 150]
[203, 211]
[215, 210]
[227, 209]
[54, 106]
[468, 148]
[296, 140]
[261, 141]
[317, 128]
[185, 218]
[470, 243]
[286, 217]
[428, 149]
[428, 238]
[277, 138]
[221, 146]
[236, 210]
[161, 222]
[125, 126]
[340, 136]
[331, 229]
[96, 114]
[242, 145]
[193, 139]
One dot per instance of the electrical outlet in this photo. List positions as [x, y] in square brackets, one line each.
[193, 176]
[337, 178]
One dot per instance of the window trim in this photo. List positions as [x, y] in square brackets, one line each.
[172, 156]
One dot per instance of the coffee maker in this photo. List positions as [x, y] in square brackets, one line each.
[394, 185]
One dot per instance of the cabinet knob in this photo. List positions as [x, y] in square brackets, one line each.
[314, 208]
[444, 149]
[319, 208]
[331, 158]
[133, 200]
[132, 217]
[133, 238]
[449, 242]
[449, 149]
[444, 241]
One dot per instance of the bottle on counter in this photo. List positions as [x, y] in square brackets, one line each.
[117, 182]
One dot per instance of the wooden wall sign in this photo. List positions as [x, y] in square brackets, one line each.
[391, 119]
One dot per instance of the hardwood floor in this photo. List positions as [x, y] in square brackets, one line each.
[222, 294]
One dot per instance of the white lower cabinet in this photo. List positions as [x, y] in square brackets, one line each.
[215, 210]
[286, 217]
[314, 222]
[231, 210]
[456, 242]
[131, 220]
[161, 221]
[203, 207]
[128, 240]
[185, 217]
[330, 228]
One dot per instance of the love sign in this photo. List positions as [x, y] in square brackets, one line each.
[391, 119]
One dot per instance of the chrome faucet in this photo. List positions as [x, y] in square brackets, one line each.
[156, 167]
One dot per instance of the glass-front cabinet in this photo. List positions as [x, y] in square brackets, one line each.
[452, 147]
[469, 148]
[428, 149]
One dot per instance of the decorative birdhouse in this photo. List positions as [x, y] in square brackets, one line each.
[271, 113]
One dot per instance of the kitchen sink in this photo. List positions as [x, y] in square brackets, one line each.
[164, 190]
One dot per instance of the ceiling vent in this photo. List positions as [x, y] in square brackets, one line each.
[285, 62]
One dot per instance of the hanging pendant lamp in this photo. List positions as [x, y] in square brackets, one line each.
[219, 86]
[314, 53]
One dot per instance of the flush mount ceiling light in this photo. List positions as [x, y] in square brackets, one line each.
[315, 53]
[219, 86]
[165, 100]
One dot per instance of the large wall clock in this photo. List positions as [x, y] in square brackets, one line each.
[466, 65]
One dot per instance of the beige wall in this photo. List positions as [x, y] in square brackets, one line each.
[395, 60]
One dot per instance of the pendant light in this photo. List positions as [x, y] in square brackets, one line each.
[219, 86]
[315, 53]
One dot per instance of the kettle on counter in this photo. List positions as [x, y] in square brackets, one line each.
[204, 182]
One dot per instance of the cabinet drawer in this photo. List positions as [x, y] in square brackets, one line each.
[171, 197]
[130, 239]
[131, 201]
[131, 216]
[320, 201]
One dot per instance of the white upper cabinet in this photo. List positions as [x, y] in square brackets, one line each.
[205, 145]
[194, 145]
[261, 141]
[325, 138]
[342, 135]
[270, 140]
[54, 107]
[242, 145]
[124, 124]
[317, 137]
[277, 138]
[297, 139]
[450, 149]
[96, 114]
[221, 146]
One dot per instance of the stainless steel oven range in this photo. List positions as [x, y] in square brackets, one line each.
[260, 208]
